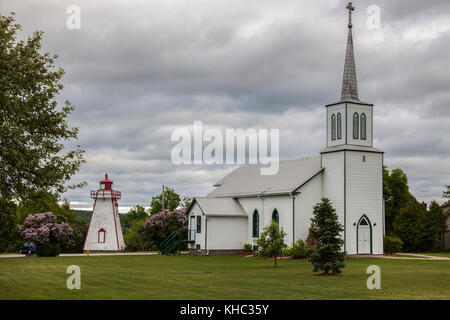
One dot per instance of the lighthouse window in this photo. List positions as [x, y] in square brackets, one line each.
[101, 235]
[102, 186]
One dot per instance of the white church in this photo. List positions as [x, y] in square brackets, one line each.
[348, 171]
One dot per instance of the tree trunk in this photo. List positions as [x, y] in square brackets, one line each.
[275, 260]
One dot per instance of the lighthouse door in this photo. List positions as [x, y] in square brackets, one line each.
[364, 236]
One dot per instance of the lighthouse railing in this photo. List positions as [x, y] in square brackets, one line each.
[106, 194]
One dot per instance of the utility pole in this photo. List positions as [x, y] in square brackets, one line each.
[163, 197]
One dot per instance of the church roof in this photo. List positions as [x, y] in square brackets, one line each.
[349, 90]
[220, 207]
[350, 147]
[248, 181]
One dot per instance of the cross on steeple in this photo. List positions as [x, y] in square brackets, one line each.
[350, 8]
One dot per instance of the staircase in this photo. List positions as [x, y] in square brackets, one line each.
[175, 241]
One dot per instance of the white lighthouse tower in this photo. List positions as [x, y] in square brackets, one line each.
[105, 232]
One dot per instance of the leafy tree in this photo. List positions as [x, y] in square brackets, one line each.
[271, 241]
[446, 193]
[171, 201]
[9, 240]
[437, 219]
[32, 124]
[133, 238]
[395, 187]
[44, 201]
[186, 203]
[137, 212]
[327, 255]
[417, 228]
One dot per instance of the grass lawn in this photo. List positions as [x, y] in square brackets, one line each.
[225, 277]
[438, 254]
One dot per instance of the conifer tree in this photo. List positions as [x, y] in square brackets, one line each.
[327, 255]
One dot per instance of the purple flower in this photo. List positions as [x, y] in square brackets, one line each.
[43, 228]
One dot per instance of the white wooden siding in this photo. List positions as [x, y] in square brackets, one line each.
[364, 196]
[335, 109]
[367, 110]
[310, 195]
[265, 207]
[199, 237]
[226, 233]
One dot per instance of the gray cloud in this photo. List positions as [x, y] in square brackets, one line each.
[138, 70]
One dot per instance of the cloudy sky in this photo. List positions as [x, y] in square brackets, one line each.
[137, 70]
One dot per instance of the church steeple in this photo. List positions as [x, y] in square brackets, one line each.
[349, 90]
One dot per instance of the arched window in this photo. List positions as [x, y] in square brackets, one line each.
[333, 127]
[363, 222]
[339, 126]
[101, 235]
[255, 224]
[355, 125]
[363, 126]
[275, 216]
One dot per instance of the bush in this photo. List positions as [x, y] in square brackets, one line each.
[392, 244]
[298, 250]
[48, 234]
[248, 248]
[48, 250]
[159, 226]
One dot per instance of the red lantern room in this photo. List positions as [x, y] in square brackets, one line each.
[105, 190]
[105, 184]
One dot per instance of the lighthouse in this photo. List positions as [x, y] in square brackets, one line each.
[105, 232]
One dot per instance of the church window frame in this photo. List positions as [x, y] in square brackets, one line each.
[363, 127]
[333, 127]
[355, 125]
[199, 224]
[339, 126]
[255, 224]
[276, 216]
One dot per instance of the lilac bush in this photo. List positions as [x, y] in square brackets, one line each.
[157, 227]
[44, 230]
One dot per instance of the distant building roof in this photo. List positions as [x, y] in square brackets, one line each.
[248, 181]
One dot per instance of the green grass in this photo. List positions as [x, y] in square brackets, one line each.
[445, 254]
[225, 277]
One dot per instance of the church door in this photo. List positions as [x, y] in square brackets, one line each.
[364, 236]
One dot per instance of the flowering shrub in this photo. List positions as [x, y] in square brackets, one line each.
[160, 225]
[46, 232]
